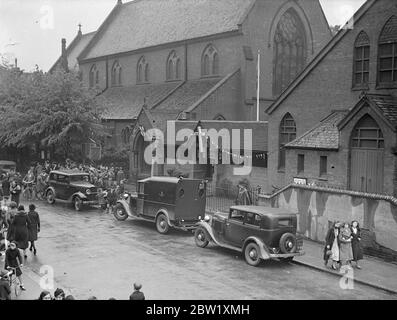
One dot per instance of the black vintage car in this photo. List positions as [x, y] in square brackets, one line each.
[71, 186]
[260, 233]
[167, 201]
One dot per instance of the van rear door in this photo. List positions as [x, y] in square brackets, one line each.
[190, 200]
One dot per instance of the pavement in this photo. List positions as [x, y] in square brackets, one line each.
[375, 272]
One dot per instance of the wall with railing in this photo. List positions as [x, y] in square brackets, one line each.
[318, 207]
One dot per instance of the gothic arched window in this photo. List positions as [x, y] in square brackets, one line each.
[116, 74]
[210, 61]
[93, 76]
[142, 73]
[361, 60]
[287, 134]
[289, 50]
[387, 64]
[173, 67]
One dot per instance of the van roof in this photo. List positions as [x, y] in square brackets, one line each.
[167, 179]
[264, 211]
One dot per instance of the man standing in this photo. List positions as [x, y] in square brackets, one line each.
[137, 295]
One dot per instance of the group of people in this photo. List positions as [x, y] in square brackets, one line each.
[59, 294]
[342, 245]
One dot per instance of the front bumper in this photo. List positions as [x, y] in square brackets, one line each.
[91, 202]
[287, 255]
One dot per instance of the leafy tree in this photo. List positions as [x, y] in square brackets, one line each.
[54, 111]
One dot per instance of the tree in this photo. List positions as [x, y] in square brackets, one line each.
[53, 111]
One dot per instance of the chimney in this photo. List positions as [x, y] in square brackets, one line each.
[79, 33]
[64, 59]
[119, 2]
[16, 63]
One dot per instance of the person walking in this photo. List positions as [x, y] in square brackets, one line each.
[34, 227]
[21, 225]
[5, 183]
[15, 191]
[329, 241]
[137, 294]
[12, 211]
[345, 240]
[335, 246]
[5, 290]
[13, 259]
[356, 246]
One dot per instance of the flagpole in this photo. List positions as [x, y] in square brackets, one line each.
[258, 85]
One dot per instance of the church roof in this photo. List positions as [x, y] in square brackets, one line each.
[388, 105]
[324, 136]
[125, 103]
[75, 48]
[146, 23]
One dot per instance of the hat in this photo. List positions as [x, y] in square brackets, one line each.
[58, 292]
[137, 286]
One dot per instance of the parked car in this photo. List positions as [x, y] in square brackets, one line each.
[7, 166]
[167, 201]
[71, 186]
[260, 233]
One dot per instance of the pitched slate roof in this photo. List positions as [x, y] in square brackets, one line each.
[259, 129]
[388, 105]
[323, 136]
[74, 49]
[145, 23]
[124, 103]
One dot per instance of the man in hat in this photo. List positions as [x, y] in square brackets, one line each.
[137, 295]
[5, 290]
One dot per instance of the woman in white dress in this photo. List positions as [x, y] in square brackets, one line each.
[335, 248]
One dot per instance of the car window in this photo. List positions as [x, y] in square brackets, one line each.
[253, 219]
[63, 178]
[80, 178]
[237, 215]
[284, 222]
[141, 187]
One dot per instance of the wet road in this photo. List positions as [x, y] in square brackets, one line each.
[92, 253]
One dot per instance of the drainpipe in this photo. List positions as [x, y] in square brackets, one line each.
[186, 73]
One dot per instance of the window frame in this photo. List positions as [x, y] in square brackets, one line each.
[210, 62]
[142, 71]
[393, 42]
[361, 44]
[115, 75]
[282, 151]
[323, 172]
[300, 166]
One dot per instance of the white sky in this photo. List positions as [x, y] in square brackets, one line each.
[31, 30]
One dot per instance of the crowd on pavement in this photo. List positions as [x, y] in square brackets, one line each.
[342, 245]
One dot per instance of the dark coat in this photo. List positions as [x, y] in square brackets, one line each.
[6, 187]
[21, 225]
[11, 229]
[5, 290]
[329, 241]
[34, 227]
[356, 246]
[13, 259]
[137, 295]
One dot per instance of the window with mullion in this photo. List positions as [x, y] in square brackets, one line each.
[361, 66]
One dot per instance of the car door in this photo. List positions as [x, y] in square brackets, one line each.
[252, 225]
[235, 229]
[141, 198]
[61, 186]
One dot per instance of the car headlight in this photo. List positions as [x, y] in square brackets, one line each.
[88, 191]
[207, 218]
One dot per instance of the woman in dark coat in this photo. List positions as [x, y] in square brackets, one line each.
[21, 225]
[15, 191]
[356, 239]
[10, 218]
[34, 228]
[13, 259]
[330, 243]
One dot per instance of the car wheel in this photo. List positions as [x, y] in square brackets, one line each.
[78, 204]
[120, 213]
[252, 254]
[288, 243]
[162, 224]
[201, 238]
[50, 197]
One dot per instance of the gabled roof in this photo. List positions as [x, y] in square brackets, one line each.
[125, 103]
[146, 23]
[324, 136]
[384, 105]
[74, 49]
[320, 56]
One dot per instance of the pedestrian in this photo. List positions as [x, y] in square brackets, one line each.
[5, 183]
[69, 297]
[13, 259]
[15, 191]
[334, 240]
[34, 227]
[120, 175]
[10, 218]
[45, 295]
[329, 240]
[356, 246]
[59, 294]
[5, 290]
[3, 230]
[137, 294]
[345, 244]
[21, 225]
